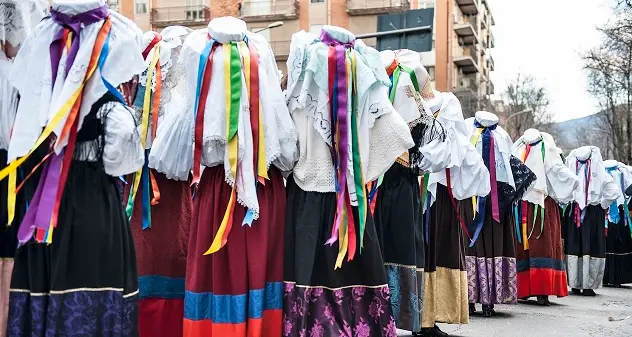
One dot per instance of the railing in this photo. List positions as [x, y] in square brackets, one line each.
[376, 6]
[183, 15]
[468, 82]
[264, 8]
[281, 49]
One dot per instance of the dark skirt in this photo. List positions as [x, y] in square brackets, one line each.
[321, 301]
[491, 262]
[618, 252]
[237, 291]
[585, 248]
[541, 269]
[85, 282]
[445, 284]
[161, 254]
[8, 244]
[398, 221]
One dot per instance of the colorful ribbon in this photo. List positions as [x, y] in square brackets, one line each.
[579, 215]
[342, 72]
[521, 208]
[454, 206]
[151, 108]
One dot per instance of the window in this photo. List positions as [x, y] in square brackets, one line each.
[431, 73]
[315, 29]
[140, 6]
[195, 10]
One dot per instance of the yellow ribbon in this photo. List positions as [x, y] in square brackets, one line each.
[232, 153]
[146, 113]
[11, 197]
[475, 138]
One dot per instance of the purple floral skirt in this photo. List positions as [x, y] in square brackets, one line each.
[352, 301]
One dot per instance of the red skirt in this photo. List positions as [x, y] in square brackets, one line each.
[541, 270]
[237, 291]
[161, 253]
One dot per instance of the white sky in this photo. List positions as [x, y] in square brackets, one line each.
[544, 38]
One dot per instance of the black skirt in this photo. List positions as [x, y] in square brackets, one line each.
[445, 284]
[398, 220]
[618, 252]
[585, 248]
[85, 282]
[319, 299]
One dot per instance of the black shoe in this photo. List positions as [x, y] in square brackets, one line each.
[576, 291]
[543, 301]
[491, 308]
[487, 310]
[432, 332]
[588, 292]
[472, 308]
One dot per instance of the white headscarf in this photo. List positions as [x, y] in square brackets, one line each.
[32, 72]
[587, 163]
[18, 18]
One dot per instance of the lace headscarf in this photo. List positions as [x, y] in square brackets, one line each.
[18, 18]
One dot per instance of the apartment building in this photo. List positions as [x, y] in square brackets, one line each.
[459, 60]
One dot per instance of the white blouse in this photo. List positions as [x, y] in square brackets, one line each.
[8, 102]
[172, 153]
[468, 174]
[383, 134]
[553, 178]
[602, 189]
[123, 152]
[621, 175]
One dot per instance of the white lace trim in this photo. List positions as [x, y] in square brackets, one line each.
[18, 18]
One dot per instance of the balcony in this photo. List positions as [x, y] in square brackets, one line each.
[367, 7]
[183, 15]
[269, 10]
[466, 59]
[490, 62]
[468, 7]
[490, 40]
[281, 49]
[490, 88]
[467, 87]
[467, 31]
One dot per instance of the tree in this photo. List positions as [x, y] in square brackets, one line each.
[525, 93]
[609, 70]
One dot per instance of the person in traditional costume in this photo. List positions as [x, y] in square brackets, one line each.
[448, 211]
[236, 127]
[586, 223]
[349, 135]
[491, 255]
[538, 242]
[395, 198]
[160, 208]
[18, 18]
[76, 265]
[618, 268]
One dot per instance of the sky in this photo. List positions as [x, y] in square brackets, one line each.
[545, 38]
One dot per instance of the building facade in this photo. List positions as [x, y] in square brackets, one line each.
[460, 60]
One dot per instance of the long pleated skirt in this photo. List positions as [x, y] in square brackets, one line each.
[445, 285]
[161, 254]
[586, 248]
[237, 291]
[85, 283]
[319, 301]
[398, 220]
[541, 267]
[618, 269]
[491, 262]
[8, 244]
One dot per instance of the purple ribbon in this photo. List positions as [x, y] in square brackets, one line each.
[75, 24]
[341, 116]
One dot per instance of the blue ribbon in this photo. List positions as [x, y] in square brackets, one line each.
[518, 218]
[104, 54]
[479, 219]
[146, 199]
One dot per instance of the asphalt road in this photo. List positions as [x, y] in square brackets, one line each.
[573, 316]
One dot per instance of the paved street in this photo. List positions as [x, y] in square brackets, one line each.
[574, 316]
